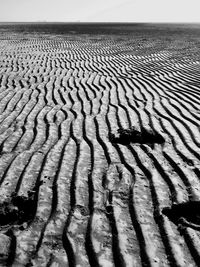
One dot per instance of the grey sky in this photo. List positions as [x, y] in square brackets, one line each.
[100, 10]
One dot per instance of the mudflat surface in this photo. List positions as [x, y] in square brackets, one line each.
[99, 145]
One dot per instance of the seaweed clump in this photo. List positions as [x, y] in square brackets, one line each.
[184, 214]
[17, 210]
[127, 136]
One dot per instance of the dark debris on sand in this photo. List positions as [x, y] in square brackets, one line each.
[184, 214]
[127, 136]
[19, 209]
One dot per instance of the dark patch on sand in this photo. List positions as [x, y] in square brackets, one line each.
[184, 214]
[19, 209]
[127, 136]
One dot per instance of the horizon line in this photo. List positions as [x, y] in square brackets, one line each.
[105, 22]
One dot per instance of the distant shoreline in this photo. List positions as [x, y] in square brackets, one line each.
[101, 23]
[97, 28]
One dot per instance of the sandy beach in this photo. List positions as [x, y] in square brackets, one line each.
[99, 145]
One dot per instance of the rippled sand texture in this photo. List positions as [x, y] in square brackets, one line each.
[70, 195]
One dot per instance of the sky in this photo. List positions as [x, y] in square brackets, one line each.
[100, 10]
